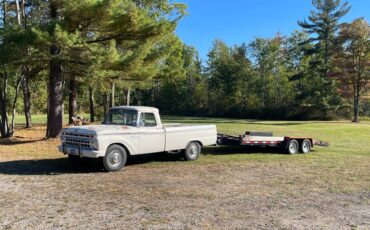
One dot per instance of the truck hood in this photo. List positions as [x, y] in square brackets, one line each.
[101, 129]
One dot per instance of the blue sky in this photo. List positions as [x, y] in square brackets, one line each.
[237, 21]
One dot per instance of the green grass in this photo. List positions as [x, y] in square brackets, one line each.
[345, 138]
[344, 165]
[40, 119]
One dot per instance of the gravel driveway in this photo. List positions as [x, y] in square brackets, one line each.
[173, 194]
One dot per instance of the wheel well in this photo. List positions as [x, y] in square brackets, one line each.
[122, 145]
[199, 142]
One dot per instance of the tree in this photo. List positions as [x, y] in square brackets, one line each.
[353, 64]
[10, 73]
[55, 103]
[272, 74]
[324, 23]
[117, 40]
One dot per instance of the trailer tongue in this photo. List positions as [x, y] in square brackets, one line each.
[292, 145]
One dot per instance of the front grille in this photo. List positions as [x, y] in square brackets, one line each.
[78, 135]
[77, 142]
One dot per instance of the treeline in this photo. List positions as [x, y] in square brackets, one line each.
[90, 55]
[320, 72]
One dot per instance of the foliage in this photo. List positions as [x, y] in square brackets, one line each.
[127, 51]
[353, 63]
[323, 24]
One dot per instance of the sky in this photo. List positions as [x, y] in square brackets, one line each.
[238, 21]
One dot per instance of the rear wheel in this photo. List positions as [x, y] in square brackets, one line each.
[305, 146]
[192, 151]
[115, 158]
[293, 146]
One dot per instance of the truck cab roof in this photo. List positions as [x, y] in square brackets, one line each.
[138, 108]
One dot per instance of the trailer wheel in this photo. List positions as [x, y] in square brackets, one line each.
[115, 158]
[305, 146]
[192, 151]
[293, 146]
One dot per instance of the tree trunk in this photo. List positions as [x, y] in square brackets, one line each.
[356, 106]
[106, 103]
[25, 74]
[24, 14]
[113, 96]
[91, 99]
[4, 123]
[128, 97]
[14, 103]
[55, 110]
[26, 97]
[17, 13]
[72, 99]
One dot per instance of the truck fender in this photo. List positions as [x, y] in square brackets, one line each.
[132, 150]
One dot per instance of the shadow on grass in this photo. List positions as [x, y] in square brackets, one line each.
[46, 167]
[10, 142]
[64, 166]
[227, 150]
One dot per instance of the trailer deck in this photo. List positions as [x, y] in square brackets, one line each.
[292, 145]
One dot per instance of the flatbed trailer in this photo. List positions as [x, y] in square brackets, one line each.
[290, 144]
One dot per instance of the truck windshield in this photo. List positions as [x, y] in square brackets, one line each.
[121, 117]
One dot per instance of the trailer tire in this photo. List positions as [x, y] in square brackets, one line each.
[192, 151]
[115, 158]
[293, 146]
[305, 146]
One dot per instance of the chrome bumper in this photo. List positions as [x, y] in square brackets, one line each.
[78, 151]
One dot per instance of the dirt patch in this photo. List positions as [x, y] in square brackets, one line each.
[175, 195]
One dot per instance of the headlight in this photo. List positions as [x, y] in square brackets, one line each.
[94, 144]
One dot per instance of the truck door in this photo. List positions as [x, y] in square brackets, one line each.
[152, 136]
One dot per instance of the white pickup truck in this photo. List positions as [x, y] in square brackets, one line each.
[134, 130]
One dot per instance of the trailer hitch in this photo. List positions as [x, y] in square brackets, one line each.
[321, 143]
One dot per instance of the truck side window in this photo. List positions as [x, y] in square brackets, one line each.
[147, 120]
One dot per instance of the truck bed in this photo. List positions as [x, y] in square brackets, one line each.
[179, 135]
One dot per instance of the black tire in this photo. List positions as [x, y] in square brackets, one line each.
[305, 146]
[192, 151]
[293, 147]
[115, 158]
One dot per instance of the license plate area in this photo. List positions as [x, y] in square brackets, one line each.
[73, 151]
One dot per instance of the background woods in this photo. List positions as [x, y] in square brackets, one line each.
[86, 56]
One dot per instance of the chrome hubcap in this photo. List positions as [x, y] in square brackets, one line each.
[293, 148]
[115, 159]
[305, 147]
[193, 150]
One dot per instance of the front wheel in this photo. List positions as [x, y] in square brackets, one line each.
[115, 158]
[192, 151]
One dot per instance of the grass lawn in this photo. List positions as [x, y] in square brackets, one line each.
[226, 188]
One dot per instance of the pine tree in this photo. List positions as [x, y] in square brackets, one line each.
[324, 23]
[115, 40]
